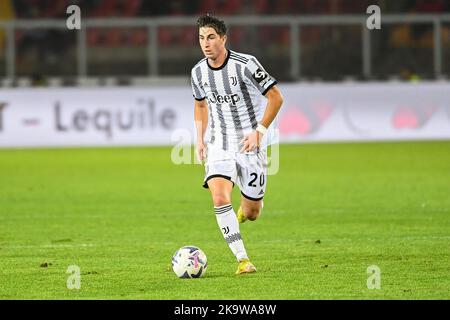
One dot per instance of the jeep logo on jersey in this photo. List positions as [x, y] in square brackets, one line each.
[260, 76]
[217, 98]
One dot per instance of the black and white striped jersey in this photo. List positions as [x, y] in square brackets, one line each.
[234, 93]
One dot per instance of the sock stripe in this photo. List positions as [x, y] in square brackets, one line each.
[224, 206]
[222, 212]
[224, 209]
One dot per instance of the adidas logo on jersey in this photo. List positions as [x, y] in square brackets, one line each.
[217, 98]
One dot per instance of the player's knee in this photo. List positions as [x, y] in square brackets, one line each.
[220, 199]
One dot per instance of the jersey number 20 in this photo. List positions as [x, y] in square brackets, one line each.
[255, 177]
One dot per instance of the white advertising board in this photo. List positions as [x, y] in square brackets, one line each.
[156, 116]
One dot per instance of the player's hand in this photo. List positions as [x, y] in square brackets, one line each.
[200, 151]
[251, 142]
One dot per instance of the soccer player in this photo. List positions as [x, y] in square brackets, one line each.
[228, 88]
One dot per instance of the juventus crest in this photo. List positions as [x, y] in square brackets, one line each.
[226, 230]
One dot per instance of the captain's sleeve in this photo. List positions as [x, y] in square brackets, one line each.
[197, 90]
[260, 78]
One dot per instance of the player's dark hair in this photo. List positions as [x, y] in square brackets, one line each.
[212, 22]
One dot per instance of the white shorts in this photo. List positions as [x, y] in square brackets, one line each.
[247, 170]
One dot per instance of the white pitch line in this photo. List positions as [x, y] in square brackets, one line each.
[331, 240]
[49, 246]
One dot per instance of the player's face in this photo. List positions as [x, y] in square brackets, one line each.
[211, 42]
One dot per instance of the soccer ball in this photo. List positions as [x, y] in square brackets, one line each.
[189, 262]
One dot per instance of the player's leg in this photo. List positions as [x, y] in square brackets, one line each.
[221, 189]
[251, 209]
[252, 180]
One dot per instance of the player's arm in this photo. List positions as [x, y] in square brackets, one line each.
[201, 122]
[274, 102]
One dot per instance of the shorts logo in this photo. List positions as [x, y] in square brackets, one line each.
[260, 76]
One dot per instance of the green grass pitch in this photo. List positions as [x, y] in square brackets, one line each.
[120, 213]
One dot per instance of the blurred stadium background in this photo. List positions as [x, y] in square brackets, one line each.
[136, 38]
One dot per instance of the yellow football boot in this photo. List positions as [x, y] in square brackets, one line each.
[245, 266]
[241, 216]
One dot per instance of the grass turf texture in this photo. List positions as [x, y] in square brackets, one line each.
[120, 214]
